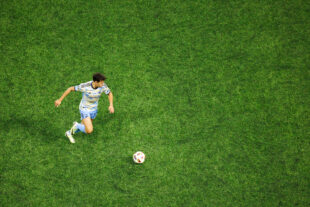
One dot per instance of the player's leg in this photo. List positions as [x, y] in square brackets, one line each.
[79, 127]
[87, 122]
[84, 126]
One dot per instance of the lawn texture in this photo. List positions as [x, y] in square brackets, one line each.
[215, 93]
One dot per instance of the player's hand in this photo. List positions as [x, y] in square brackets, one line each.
[111, 109]
[57, 103]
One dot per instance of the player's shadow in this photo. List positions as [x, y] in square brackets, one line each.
[47, 130]
[25, 127]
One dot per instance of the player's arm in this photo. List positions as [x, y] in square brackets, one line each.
[111, 107]
[58, 101]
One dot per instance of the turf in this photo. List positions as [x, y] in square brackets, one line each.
[215, 93]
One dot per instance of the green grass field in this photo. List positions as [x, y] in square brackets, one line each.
[215, 93]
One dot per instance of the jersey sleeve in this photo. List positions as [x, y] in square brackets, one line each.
[82, 87]
[106, 89]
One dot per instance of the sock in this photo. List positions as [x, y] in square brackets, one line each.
[81, 128]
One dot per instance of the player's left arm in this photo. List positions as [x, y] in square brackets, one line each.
[111, 107]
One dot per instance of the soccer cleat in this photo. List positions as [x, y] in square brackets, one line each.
[74, 128]
[70, 137]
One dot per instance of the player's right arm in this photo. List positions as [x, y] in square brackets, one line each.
[58, 101]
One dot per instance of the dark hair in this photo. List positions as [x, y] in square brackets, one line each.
[97, 77]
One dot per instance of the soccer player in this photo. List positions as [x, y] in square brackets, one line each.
[92, 91]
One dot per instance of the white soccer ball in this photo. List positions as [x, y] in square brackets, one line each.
[138, 157]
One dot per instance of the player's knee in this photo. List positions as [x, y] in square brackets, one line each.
[89, 130]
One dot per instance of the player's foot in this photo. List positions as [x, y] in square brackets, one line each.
[70, 137]
[74, 128]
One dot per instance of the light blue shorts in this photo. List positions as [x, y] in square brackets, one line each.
[91, 114]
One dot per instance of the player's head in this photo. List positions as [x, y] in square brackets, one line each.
[98, 78]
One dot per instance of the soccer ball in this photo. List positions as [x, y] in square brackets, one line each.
[138, 157]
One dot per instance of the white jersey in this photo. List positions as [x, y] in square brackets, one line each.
[91, 95]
